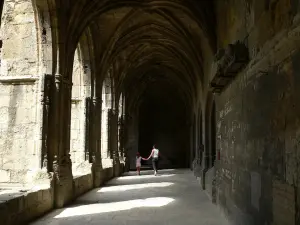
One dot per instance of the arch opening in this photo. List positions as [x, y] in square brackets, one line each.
[121, 118]
[107, 97]
[162, 122]
[80, 113]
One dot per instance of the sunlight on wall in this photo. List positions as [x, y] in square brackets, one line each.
[115, 206]
[144, 177]
[134, 186]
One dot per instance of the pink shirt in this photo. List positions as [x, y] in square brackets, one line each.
[138, 161]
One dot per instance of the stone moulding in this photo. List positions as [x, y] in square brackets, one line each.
[76, 100]
[228, 63]
[15, 80]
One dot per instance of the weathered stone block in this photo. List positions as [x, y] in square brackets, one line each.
[31, 199]
[22, 7]
[4, 176]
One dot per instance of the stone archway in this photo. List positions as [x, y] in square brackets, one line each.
[80, 114]
[107, 98]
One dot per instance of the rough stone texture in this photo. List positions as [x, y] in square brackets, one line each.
[82, 184]
[209, 181]
[18, 131]
[18, 207]
[19, 104]
[18, 33]
[258, 116]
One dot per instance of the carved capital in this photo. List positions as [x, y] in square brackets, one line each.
[55, 165]
[61, 80]
[96, 100]
[114, 112]
[62, 167]
[45, 161]
[66, 160]
[96, 158]
[58, 78]
[47, 89]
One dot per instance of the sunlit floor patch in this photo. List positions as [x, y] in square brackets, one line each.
[134, 186]
[115, 206]
[169, 200]
[144, 177]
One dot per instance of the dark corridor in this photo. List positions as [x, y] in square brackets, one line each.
[161, 122]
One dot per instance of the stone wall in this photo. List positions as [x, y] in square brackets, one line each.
[82, 184]
[18, 121]
[19, 85]
[19, 35]
[21, 205]
[258, 114]
[17, 207]
[81, 90]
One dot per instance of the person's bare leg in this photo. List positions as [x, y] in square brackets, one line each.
[154, 167]
[138, 170]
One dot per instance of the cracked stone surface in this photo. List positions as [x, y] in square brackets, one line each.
[174, 197]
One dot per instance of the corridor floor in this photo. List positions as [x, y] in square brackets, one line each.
[173, 197]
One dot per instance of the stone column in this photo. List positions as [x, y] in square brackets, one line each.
[62, 166]
[121, 139]
[96, 139]
[105, 144]
[132, 137]
[204, 150]
[88, 154]
[45, 112]
[125, 139]
[113, 138]
[192, 144]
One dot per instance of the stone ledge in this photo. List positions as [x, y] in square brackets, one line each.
[18, 79]
[82, 184]
[20, 207]
[76, 100]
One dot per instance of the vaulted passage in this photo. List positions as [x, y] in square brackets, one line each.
[163, 122]
[85, 85]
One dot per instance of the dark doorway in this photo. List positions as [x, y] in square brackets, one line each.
[162, 121]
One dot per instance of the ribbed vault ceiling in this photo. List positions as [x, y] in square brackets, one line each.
[143, 41]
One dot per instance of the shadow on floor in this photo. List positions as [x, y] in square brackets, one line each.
[174, 198]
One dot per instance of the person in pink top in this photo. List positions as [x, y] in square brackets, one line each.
[154, 155]
[138, 160]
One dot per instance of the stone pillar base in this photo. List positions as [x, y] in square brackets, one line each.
[63, 186]
[98, 175]
[63, 192]
[117, 169]
[203, 173]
